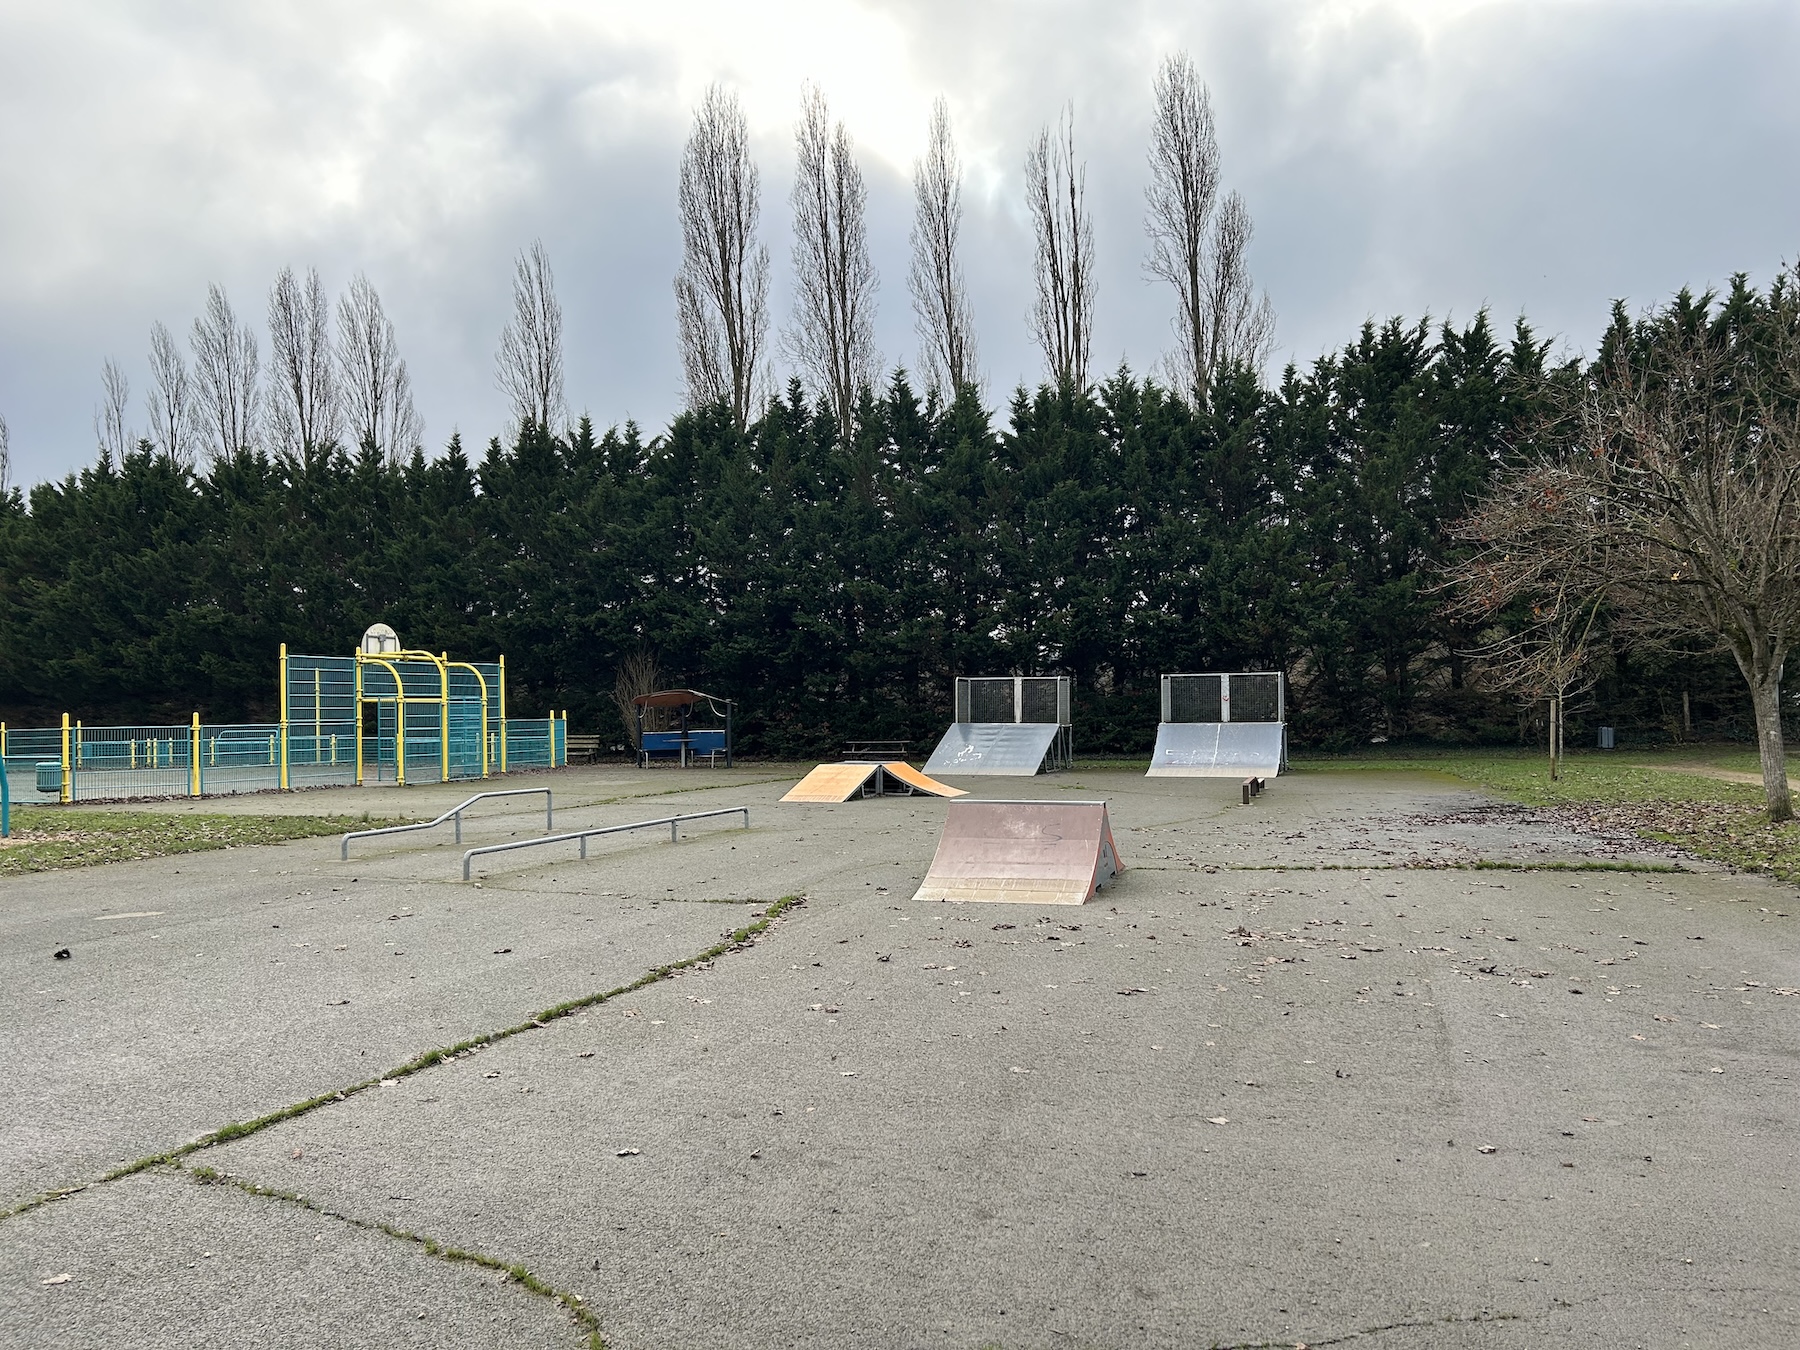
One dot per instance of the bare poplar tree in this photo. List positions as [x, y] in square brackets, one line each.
[373, 385]
[939, 296]
[1240, 323]
[1056, 191]
[303, 405]
[832, 338]
[722, 290]
[173, 416]
[110, 431]
[5, 458]
[1197, 246]
[529, 364]
[225, 377]
[1183, 191]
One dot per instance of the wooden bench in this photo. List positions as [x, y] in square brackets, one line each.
[581, 749]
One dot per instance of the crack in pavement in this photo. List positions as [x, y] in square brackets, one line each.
[1452, 1319]
[739, 939]
[518, 1273]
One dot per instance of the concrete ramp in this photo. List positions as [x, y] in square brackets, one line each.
[841, 782]
[1023, 853]
[1009, 749]
[1218, 749]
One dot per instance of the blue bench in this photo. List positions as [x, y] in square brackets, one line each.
[667, 745]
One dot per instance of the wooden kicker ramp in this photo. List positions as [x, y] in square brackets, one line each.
[1023, 852]
[842, 782]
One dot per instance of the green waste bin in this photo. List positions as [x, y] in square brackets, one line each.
[49, 776]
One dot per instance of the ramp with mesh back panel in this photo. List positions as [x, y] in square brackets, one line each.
[1221, 726]
[1028, 853]
[1007, 725]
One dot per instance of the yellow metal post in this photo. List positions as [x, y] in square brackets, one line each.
[359, 718]
[502, 714]
[67, 793]
[444, 715]
[194, 752]
[284, 719]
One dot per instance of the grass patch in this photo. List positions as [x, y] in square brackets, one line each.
[45, 839]
[1720, 821]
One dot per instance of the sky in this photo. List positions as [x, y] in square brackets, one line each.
[1400, 157]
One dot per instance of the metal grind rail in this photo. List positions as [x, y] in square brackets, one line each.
[455, 814]
[673, 822]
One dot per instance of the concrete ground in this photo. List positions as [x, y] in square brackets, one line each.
[1302, 1075]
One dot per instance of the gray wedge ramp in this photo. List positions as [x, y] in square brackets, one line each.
[1217, 749]
[1004, 749]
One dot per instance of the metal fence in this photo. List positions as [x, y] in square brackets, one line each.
[74, 762]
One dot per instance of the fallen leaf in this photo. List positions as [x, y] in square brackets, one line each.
[626, 1153]
[61, 953]
[1218, 1120]
[501, 951]
[1717, 1069]
[585, 1054]
[63, 1278]
[1485, 1148]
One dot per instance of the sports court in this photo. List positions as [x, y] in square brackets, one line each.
[1299, 1074]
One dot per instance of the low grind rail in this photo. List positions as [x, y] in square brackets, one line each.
[454, 813]
[673, 822]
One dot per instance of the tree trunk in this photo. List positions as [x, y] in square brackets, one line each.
[1765, 694]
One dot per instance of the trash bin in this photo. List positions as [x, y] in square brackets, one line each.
[1606, 738]
[49, 776]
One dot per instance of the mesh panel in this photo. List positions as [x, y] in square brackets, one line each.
[991, 700]
[1196, 698]
[1038, 697]
[1256, 698]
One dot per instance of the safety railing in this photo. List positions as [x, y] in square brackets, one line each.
[454, 813]
[673, 822]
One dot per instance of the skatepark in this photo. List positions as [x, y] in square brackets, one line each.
[1352, 1063]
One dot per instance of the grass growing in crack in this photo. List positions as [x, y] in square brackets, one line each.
[517, 1273]
[225, 1134]
[50, 838]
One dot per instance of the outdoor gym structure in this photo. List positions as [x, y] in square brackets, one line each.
[375, 716]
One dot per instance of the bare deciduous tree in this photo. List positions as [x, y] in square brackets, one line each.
[1183, 191]
[171, 399]
[722, 290]
[1197, 246]
[1673, 487]
[637, 675]
[227, 391]
[939, 295]
[1240, 323]
[529, 365]
[5, 458]
[374, 388]
[114, 437]
[1056, 191]
[832, 338]
[303, 404]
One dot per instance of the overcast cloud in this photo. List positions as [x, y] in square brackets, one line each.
[1399, 157]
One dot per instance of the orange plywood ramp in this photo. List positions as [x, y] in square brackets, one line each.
[831, 783]
[918, 782]
[840, 782]
[1026, 853]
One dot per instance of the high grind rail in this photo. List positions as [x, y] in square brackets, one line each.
[454, 813]
[673, 822]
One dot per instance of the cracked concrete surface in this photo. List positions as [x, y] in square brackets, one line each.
[1445, 1108]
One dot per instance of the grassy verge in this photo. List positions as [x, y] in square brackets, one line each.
[1724, 822]
[46, 838]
